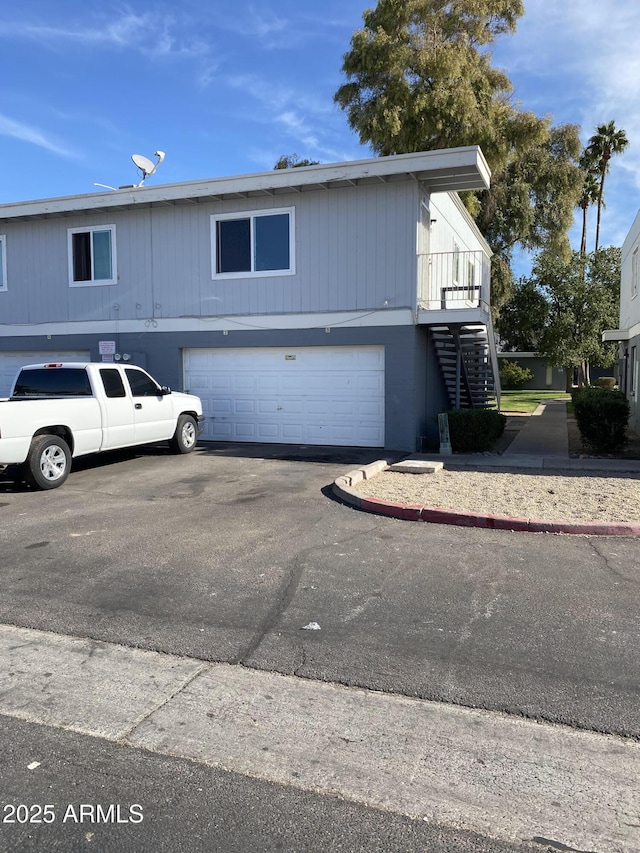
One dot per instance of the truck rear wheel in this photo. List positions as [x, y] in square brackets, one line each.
[48, 463]
[186, 435]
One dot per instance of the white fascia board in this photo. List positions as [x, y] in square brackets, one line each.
[240, 323]
[614, 335]
[445, 170]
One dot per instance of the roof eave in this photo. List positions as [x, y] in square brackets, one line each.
[456, 169]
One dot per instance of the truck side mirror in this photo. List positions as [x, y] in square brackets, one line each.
[165, 389]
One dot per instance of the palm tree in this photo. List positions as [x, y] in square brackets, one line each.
[606, 142]
[588, 196]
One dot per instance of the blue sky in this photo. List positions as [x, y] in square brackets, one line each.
[226, 88]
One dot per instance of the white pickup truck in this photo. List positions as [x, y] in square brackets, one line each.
[63, 410]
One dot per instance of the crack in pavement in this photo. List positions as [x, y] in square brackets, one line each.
[286, 596]
[609, 566]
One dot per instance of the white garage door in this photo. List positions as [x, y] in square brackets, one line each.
[304, 395]
[11, 362]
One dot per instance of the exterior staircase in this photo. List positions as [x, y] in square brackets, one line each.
[468, 361]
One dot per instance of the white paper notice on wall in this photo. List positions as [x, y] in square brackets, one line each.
[106, 347]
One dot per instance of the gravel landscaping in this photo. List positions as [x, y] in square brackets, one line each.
[546, 495]
[551, 496]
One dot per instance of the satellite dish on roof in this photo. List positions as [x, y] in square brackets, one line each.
[146, 166]
[143, 163]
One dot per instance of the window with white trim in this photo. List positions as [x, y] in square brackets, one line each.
[259, 243]
[635, 272]
[92, 255]
[3, 262]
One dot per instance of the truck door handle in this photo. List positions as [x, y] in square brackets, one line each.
[138, 406]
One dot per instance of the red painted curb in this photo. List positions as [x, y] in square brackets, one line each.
[433, 515]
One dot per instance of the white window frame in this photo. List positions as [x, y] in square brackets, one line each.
[3, 262]
[635, 272]
[252, 215]
[92, 282]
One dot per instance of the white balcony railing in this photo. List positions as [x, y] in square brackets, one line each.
[454, 280]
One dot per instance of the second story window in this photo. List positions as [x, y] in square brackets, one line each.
[253, 244]
[3, 262]
[635, 273]
[92, 255]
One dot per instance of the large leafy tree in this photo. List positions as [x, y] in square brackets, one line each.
[524, 318]
[420, 77]
[564, 307]
[606, 141]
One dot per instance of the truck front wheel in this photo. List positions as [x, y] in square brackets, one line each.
[48, 463]
[186, 435]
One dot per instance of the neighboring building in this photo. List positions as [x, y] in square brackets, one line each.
[341, 304]
[546, 377]
[628, 335]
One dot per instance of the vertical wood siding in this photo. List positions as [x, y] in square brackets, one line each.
[355, 248]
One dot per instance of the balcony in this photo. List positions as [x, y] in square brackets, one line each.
[454, 300]
[454, 281]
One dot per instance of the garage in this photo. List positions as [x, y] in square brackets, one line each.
[11, 362]
[299, 395]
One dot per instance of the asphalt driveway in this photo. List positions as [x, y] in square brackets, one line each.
[227, 554]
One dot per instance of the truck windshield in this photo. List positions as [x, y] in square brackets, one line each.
[53, 382]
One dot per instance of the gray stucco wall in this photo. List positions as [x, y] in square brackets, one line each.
[413, 386]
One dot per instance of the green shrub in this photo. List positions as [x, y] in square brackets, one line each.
[602, 415]
[512, 375]
[474, 430]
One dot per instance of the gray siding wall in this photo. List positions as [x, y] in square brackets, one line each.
[355, 249]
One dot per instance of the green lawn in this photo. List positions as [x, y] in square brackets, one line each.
[527, 401]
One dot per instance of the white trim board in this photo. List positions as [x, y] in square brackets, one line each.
[258, 322]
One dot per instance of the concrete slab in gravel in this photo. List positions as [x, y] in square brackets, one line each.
[485, 772]
[88, 686]
[417, 466]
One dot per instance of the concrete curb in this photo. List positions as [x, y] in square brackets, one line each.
[343, 488]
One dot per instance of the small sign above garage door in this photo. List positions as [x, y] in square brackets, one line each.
[11, 362]
[300, 395]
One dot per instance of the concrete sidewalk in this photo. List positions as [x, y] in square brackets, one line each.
[541, 443]
[505, 777]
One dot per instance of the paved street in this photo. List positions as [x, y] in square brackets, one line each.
[221, 557]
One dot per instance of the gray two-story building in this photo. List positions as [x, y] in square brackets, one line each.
[339, 304]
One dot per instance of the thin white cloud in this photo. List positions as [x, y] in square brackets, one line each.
[33, 135]
[269, 30]
[578, 61]
[298, 129]
[273, 31]
[147, 33]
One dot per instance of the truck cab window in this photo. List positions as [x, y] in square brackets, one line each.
[141, 384]
[112, 381]
[53, 382]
